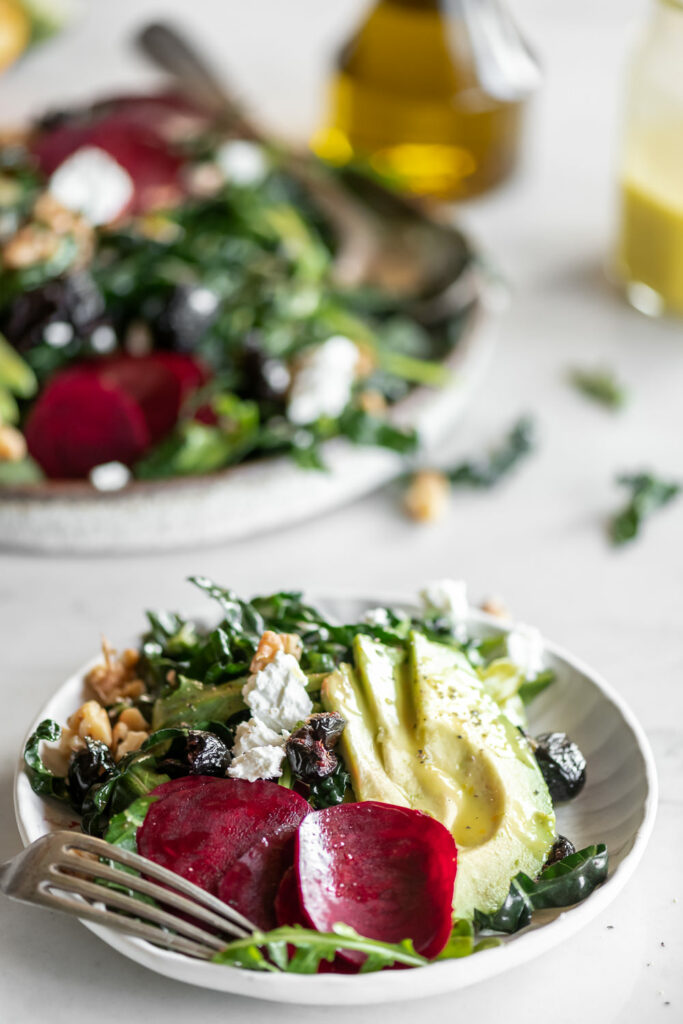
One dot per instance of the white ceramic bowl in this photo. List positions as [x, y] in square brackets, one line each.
[617, 806]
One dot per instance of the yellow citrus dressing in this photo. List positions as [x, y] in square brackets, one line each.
[650, 250]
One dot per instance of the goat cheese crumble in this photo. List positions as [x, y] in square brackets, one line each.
[242, 163]
[255, 733]
[277, 694]
[257, 763]
[322, 386]
[92, 183]
[448, 597]
[525, 649]
[377, 617]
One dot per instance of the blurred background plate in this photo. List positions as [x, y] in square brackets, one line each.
[617, 806]
[72, 517]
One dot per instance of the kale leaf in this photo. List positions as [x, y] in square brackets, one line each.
[648, 493]
[486, 473]
[43, 781]
[601, 386]
[562, 884]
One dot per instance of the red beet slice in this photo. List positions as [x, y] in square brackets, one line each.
[168, 115]
[187, 370]
[231, 837]
[80, 422]
[288, 908]
[386, 871]
[150, 384]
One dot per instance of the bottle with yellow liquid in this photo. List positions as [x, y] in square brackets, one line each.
[650, 244]
[431, 93]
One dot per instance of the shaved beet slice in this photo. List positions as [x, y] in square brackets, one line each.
[288, 908]
[154, 388]
[80, 422]
[159, 383]
[231, 837]
[386, 871]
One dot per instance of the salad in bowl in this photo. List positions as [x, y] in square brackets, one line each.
[369, 793]
[175, 301]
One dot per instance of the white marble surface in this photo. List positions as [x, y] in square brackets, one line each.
[539, 541]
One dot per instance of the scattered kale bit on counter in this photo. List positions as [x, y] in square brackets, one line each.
[601, 386]
[520, 441]
[648, 493]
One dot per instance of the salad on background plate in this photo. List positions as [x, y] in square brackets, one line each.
[174, 301]
[369, 793]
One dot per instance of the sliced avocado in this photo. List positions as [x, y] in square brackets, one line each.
[422, 732]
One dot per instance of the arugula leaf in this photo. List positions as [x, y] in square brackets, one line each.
[560, 885]
[600, 385]
[43, 781]
[486, 473]
[648, 493]
[268, 951]
[532, 687]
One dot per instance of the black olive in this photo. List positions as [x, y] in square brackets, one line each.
[309, 749]
[185, 317]
[562, 765]
[86, 767]
[562, 847]
[266, 377]
[198, 753]
[75, 303]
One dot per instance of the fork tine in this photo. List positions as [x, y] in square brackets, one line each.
[137, 883]
[148, 868]
[59, 900]
[129, 905]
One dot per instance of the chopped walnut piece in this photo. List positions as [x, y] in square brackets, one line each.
[367, 360]
[372, 402]
[30, 245]
[426, 497]
[496, 606]
[269, 645]
[12, 444]
[117, 677]
[90, 720]
[125, 740]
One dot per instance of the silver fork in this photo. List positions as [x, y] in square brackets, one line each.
[50, 873]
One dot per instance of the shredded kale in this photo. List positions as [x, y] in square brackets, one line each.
[648, 494]
[43, 781]
[487, 472]
[562, 884]
[601, 386]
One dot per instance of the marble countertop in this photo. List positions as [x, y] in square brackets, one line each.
[539, 541]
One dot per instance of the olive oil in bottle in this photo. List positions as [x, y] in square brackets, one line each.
[409, 95]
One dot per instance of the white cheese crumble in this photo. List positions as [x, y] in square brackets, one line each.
[109, 476]
[258, 763]
[448, 597]
[92, 183]
[525, 649]
[277, 694]
[242, 162]
[377, 617]
[255, 733]
[322, 386]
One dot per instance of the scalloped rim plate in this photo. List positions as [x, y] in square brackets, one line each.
[617, 805]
